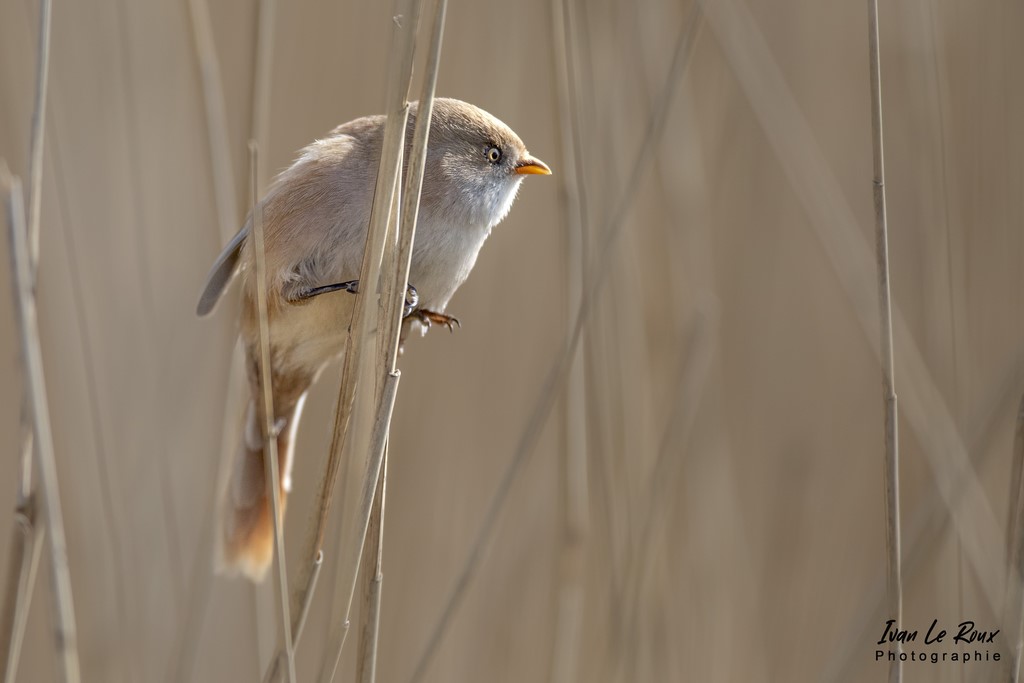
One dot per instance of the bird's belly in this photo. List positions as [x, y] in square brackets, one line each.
[306, 336]
[439, 267]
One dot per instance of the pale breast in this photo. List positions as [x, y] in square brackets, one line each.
[443, 256]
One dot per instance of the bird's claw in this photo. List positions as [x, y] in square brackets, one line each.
[428, 318]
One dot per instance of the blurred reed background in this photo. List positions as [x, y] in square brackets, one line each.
[704, 501]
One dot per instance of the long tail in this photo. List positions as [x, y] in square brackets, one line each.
[248, 540]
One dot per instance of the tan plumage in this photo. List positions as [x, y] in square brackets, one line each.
[315, 217]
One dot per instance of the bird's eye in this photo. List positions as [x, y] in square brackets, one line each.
[493, 155]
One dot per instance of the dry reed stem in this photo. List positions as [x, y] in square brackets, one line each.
[300, 620]
[25, 541]
[394, 287]
[414, 181]
[1016, 474]
[26, 549]
[217, 136]
[362, 323]
[32, 358]
[35, 164]
[35, 185]
[833, 221]
[397, 260]
[260, 122]
[340, 623]
[106, 473]
[187, 640]
[926, 532]
[372, 573]
[183, 653]
[592, 172]
[383, 215]
[1014, 608]
[892, 457]
[570, 570]
[270, 460]
[368, 573]
[556, 377]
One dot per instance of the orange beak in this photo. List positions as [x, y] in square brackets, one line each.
[530, 166]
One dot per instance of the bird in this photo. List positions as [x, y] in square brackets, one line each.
[315, 217]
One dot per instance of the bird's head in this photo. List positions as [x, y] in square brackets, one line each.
[475, 164]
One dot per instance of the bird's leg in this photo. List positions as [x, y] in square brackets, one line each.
[412, 297]
[428, 318]
[304, 295]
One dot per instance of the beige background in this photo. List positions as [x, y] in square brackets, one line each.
[735, 337]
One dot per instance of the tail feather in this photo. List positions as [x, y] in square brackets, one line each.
[248, 541]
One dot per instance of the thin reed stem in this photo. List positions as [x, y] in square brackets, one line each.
[340, 626]
[261, 85]
[217, 134]
[35, 163]
[414, 182]
[359, 329]
[188, 636]
[384, 220]
[349, 572]
[270, 459]
[1014, 608]
[927, 531]
[373, 578]
[891, 460]
[575, 503]
[396, 282]
[834, 223]
[318, 563]
[32, 358]
[25, 541]
[26, 549]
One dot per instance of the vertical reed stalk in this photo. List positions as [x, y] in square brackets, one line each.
[189, 630]
[414, 182]
[1014, 608]
[927, 531]
[217, 132]
[373, 577]
[353, 432]
[368, 572]
[260, 123]
[571, 567]
[391, 316]
[369, 273]
[26, 541]
[338, 632]
[395, 283]
[26, 549]
[35, 164]
[32, 359]
[270, 460]
[892, 480]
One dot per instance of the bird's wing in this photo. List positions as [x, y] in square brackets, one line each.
[222, 272]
